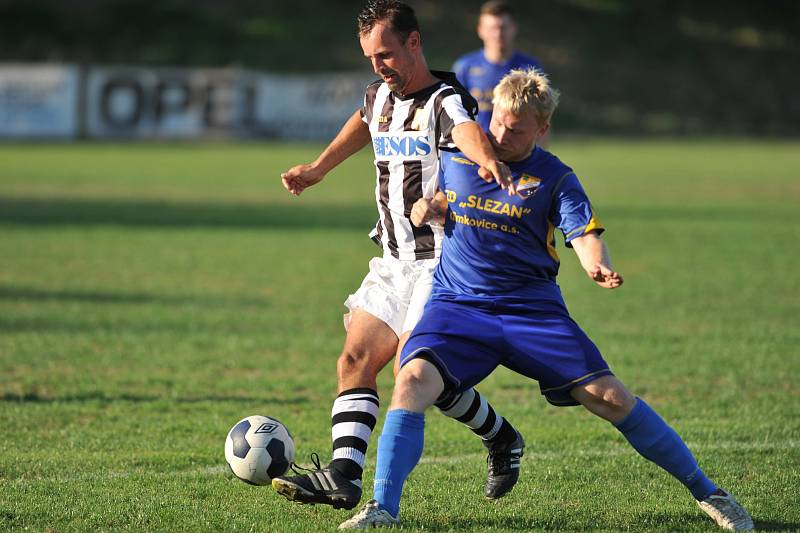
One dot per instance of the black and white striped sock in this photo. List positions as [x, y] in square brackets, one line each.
[353, 418]
[473, 410]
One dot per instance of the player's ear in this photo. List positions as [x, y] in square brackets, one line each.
[543, 130]
[414, 40]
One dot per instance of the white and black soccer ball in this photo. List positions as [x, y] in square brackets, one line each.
[259, 448]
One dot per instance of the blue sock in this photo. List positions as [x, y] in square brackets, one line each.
[399, 450]
[658, 442]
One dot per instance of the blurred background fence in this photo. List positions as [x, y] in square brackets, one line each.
[184, 69]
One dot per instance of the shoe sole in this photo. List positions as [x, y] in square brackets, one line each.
[298, 494]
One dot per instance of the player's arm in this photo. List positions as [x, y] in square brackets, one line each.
[472, 141]
[353, 136]
[427, 210]
[593, 255]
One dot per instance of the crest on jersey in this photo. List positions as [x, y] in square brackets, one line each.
[528, 185]
[420, 120]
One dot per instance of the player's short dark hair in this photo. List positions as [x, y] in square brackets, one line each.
[398, 16]
[498, 8]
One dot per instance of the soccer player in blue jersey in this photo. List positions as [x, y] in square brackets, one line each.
[495, 301]
[480, 71]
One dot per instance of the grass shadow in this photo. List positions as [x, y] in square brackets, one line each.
[764, 525]
[86, 212]
[101, 397]
[11, 292]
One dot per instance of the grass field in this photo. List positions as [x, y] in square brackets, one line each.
[153, 295]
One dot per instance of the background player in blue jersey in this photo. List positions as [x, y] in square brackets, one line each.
[480, 71]
[495, 301]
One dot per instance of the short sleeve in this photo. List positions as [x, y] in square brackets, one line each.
[369, 101]
[572, 212]
[451, 114]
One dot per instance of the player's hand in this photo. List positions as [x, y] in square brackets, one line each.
[300, 177]
[499, 172]
[605, 277]
[424, 210]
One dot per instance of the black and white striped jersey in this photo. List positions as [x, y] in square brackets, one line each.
[407, 134]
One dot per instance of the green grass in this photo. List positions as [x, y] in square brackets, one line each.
[153, 295]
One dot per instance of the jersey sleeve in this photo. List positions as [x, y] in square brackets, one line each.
[369, 101]
[572, 212]
[451, 114]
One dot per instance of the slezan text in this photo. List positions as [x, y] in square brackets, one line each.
[495, 206]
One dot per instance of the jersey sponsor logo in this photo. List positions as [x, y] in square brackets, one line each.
[528, 185]
[407, 144]
[483, 224]
[495, 206]
[420, 120]
[476, 71]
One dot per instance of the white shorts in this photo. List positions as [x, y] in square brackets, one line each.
[394, 291]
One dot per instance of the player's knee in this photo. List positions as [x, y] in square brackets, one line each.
[607, 398]
[411, 378]
[417, 386]
[616, 399]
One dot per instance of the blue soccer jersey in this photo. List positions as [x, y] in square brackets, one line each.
[503, 246]
[480, 77]
[494, 299]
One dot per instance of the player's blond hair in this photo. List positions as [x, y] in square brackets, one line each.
[520, 89]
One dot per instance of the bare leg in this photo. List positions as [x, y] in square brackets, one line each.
[368, 347]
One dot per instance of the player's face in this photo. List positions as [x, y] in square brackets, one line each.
[514, 136]
[497, 31]
[392, 60]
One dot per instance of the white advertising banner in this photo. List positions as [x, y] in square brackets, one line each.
[173, 103]
[162, 102]
[39, 101]
[307, 106]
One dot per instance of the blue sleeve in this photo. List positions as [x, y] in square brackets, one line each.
[572, 211]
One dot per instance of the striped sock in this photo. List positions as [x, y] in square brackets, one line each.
[473, 410]
[353, 418]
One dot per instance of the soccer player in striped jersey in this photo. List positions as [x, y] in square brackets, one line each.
[409, 115]
[495, 302]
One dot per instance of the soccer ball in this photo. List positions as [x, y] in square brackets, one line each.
[259, 448]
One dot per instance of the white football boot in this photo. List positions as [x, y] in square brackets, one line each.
[726, 511]
[371, 515]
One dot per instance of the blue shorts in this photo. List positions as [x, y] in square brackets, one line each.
[467, 340]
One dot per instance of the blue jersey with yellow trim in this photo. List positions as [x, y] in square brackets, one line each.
[503, 246]
[480, 77]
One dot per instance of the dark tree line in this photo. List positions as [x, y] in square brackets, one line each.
[627, 67]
